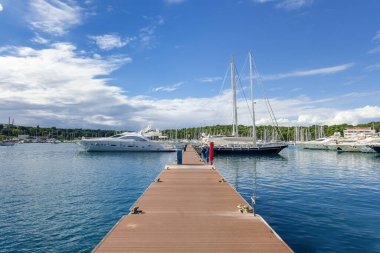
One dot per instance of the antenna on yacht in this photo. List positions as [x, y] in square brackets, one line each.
[235, 130]
[252, 101]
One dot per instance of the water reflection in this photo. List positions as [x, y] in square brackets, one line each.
[54, 196]
[318, 201]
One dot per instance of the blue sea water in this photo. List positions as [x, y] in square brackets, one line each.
[54, 198]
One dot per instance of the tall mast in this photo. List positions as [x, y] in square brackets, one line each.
[252, 101]
[235, 130]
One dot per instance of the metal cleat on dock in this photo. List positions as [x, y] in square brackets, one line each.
[136, 210]
[222, 180]
[244, 208]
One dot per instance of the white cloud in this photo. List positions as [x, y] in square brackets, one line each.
[168, 88]
[377, 36]
[310, 72]
[374, 50]
[54, 16]
[170, 2]
[293, 4]
[287, 4]
[39, 40]
[1, 7]
[110, 41]
[356, 115]
[58, 86]
[147, 34]
[263, 1]
[103, 120]
[210, 79]
[376, 39]
[373, 67]
[334, 117]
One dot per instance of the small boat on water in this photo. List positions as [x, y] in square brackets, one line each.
[126, 142]
[6, 143]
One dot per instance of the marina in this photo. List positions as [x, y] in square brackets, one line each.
[189, 126]
[71, 204]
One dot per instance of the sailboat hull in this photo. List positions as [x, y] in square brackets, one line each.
[272, 150]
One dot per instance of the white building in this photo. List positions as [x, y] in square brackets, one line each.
[23, 136]
[359, 132]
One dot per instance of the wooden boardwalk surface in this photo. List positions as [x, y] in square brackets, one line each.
[191, 209]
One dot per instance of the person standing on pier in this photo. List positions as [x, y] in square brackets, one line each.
[205, 153]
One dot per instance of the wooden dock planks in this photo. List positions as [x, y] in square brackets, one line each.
[191, 210]
[191, 157]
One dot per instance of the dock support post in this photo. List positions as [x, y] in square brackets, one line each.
[179, 156]
[253, 199]
[211, 153]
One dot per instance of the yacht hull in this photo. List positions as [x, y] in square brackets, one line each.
[249, 150]
[106, 146]
[314, 146]
[375, 148]
[354, 148]
[7, 144]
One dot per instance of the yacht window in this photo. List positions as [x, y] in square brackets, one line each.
[135, 138]
[117, 136]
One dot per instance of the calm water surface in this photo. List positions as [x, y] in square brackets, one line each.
[54, 198]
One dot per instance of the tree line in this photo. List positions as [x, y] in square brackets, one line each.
[266, 132]
[262, 132]
[13, 131]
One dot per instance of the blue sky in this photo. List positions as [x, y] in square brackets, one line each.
[126, 64]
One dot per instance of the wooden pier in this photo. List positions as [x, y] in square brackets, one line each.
[191, 208]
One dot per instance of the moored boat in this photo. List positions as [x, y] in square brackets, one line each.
[248, 149]
[319, 144]
[7, 143]
[126, 142]
[244, 145]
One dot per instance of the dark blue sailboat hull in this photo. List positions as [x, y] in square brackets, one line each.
[271, 150]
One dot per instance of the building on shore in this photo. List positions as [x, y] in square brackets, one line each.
[359, 132]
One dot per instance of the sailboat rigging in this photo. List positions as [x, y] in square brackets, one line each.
[239, 145]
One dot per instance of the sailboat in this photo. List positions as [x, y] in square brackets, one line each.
[241, 145]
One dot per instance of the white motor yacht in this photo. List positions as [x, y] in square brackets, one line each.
[320, 144]
[358, 145]
[128, 141]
